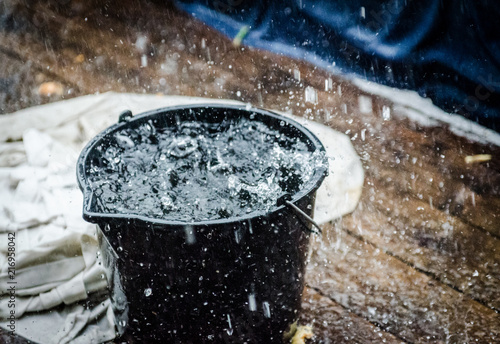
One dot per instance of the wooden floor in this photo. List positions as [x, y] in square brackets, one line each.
[417, 262]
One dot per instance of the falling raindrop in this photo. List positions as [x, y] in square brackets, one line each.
[148, 292]
[190, 236]
[237, 235]
[230, 329]
[144, 61]
[365, 104]
[344, 108]
[252, 305]
[266, 309]
[386, 113]
[296, 74]
[311, 95]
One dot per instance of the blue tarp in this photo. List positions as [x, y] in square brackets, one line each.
[446, 50]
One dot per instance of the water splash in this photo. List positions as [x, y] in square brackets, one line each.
[311, 95]
[266, 309]
[252, 304]
[190, 236]
[198, 171]
[365, 104]
[386, 113]
[230, 329]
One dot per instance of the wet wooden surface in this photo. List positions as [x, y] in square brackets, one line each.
[417, 262]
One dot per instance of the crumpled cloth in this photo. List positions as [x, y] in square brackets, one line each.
[56, 252]
[58, 270]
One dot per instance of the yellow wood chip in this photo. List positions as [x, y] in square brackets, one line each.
[79, 58]
[303, 333]
[51, 88]
[471, 159]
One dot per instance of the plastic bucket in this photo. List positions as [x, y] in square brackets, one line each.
[232, 280]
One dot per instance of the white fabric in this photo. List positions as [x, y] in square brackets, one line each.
[57, 258]
[340, 192]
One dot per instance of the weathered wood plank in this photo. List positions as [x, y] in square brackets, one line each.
[83, 75]
[331, 323]
[117, 58]
[431, 160]
[20, 82]
[430, 177]
[426, 163]
[457, 254]
[402, 301]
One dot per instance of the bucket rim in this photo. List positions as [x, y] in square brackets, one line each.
[104, 218]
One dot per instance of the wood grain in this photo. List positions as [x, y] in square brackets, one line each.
[332, 323]
[411, 305]
[437, 243]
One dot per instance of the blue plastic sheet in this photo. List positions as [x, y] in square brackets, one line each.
[446, 50]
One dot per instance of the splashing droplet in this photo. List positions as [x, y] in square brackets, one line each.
[252, 305]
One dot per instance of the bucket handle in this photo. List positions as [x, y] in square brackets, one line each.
[285, 200]
[125, 116]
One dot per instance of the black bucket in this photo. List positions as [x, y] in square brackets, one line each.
[232, 280]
